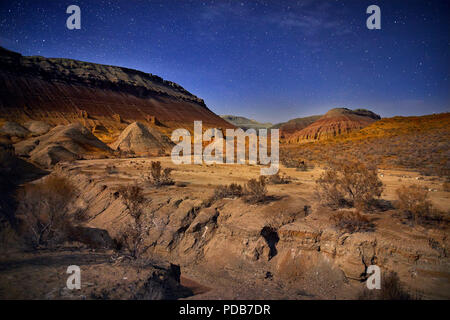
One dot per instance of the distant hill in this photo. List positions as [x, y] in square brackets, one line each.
[421, 143]
[245, 123]
[294, 125]
[335, 122]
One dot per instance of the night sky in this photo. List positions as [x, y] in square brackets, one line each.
[267, 60]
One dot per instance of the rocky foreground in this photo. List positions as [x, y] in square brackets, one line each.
[284, 248]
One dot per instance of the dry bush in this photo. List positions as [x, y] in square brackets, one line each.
[413, 202]
[278, 179]
[44, 208]
[231, 191]
[133, 198]
[158, 176]
[225, 191]
[391, 289]
[300, 165]
[349, 182]
[256, 190]
[131, 237]
[351, 221]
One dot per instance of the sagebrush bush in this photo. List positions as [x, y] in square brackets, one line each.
[256, 190]
[158, 176]
[44, 209]
[349, 182]
[351, 221]
[131, 237]
[413, 201]
[225, 191]
[391, 289]
[300, 165]
[231, 191]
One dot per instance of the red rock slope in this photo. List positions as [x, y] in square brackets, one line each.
[61, 91]
[335, 122]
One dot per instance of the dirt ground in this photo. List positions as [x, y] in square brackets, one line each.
[220, 249]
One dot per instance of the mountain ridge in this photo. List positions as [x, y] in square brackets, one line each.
[245, 123]
[63, 91]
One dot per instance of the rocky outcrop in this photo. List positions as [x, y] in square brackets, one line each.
[334, 123]
[37, 127]
[139, 139]
[62, 143]
[280, 239]
[14, 129]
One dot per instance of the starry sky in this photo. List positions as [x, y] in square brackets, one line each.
[267, 60]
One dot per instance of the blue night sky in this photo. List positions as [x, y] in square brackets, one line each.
[267, 60]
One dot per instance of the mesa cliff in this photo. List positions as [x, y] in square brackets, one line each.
[64, 91]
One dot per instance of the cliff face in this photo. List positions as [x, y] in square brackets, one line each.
[61, 91]
[335, 122]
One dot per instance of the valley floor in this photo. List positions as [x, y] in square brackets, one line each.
[222, 250]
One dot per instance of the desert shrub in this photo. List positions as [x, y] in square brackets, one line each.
[133, 198]
[349, 182]
[44, 208]
[256, 190]
[391, 289]
[225, 191]
[414, 203]
[231, 191]
[351, 221]
[158, 176]
[131, 237]
[278, 179]
[300, 165]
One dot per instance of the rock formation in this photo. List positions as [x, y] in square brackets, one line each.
[334, 123]
[62, 143]
[14, 129]
[62, 91]
[37, 127]
[139, 139]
